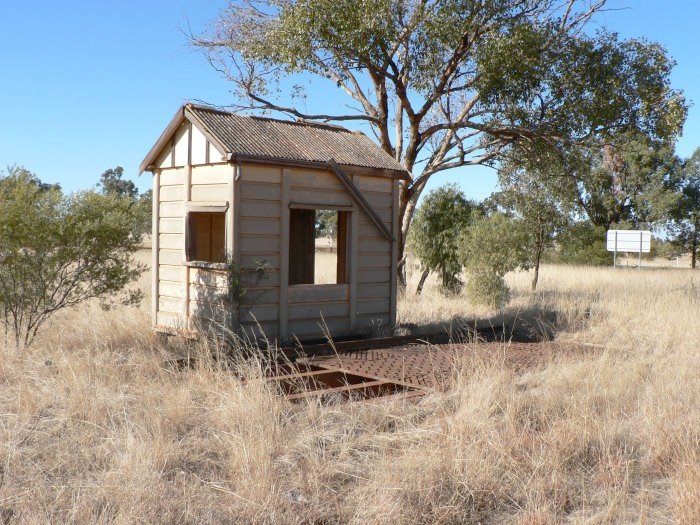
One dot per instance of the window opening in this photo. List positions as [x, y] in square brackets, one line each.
[206, 236]
[317, 246]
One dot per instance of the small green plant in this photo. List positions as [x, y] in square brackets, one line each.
[239, 279]
[487, 288]
[493, 246]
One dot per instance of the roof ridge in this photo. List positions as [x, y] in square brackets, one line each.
[207, 107]
[299, 122]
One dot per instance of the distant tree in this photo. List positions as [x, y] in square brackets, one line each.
[527, 190]
[686, 224]
[434, 238]
[57, 251]
[112, 183]
[326, 223]
[631, 180]
[582, 243]
[492, 246]
[670, 249]
[30, 178]
[448, 83]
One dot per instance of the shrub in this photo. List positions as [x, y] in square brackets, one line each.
[441, 218]
[57, 251]
[487, 288]
[491, 247]
[583, 243]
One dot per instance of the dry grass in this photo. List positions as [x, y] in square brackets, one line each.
[96, 428]
[326, 267]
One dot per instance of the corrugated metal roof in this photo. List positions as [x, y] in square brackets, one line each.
[300, 141]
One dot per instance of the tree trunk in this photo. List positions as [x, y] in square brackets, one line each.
[422, 281]
[539, 248]
[536, 277]
[694, 251]
[403, 233]
[408, 197]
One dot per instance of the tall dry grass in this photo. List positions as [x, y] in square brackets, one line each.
[97, 427]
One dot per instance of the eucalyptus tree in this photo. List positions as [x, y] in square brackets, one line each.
[444, 84]
[530, 190]
[687, 213]
[441, 219]
[577, 194]
[113, 183]
[632, 179]
[492, 246]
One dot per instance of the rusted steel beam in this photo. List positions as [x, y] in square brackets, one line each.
[350, 372]
[299, 375]
[336, 390]
[361, 344]
[399, 396]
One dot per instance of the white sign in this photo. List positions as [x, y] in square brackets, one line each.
[629, 241]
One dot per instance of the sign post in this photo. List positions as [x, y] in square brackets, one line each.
[641, 242]
[628, 241]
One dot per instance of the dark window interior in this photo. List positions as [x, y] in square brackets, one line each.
[317, 246]
[206, 236]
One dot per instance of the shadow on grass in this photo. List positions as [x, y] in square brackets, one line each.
[546, 314]
[532, 324]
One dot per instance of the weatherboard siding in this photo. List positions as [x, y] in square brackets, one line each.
[181, 146]
[191, 172]
[259, 241]
[308, 307]
[170, 232]
[209, 184]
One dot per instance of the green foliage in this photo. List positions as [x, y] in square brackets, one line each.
[487, 288]
[528, 62]
[57, 251]
[112, 183]
[143, 208]
[495, 242]
[631, 180]
[686, 214]
[453, 83]
[435, 233]
[492, 246]
[326, 223]
[583, 243]
[528, 191]
[30, 178]
[239, 279]
[571, 197]
[669, 250]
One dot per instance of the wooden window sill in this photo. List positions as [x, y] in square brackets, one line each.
[206, 265]
[207, 206]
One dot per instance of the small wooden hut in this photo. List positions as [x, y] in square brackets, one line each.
[251, 189]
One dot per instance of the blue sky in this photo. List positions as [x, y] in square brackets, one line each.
[87, 86]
